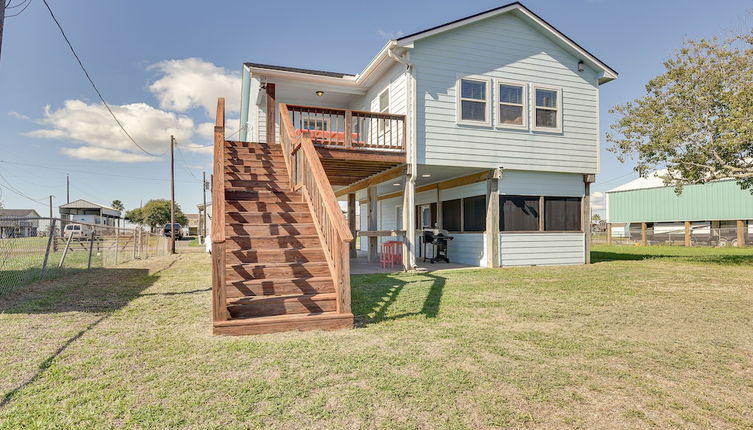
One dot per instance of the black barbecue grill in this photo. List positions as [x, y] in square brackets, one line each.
[438, 239]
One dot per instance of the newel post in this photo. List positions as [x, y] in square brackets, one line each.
[219, 305]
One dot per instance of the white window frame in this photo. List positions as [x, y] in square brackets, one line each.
[557, 129]
[399, 218]
[497, 121]
[459, 99]
[325, 123]
[389, 101]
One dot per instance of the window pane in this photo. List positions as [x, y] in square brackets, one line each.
[510, 94]
[474, 111]
[474, 213]
[546, 98]
[546, 118]
[473, 90]
[384, 101]
[562, 214]
[519, 213]
[451, 215]
[511, 114]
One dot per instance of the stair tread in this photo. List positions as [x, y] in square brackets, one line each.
[289, 279]
[285, 317]
[318, 296]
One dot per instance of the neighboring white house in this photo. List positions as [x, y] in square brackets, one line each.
[502, 117]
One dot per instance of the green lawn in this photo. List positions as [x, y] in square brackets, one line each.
[646, 337]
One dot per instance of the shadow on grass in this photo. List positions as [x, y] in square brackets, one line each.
[375, 295]
[722, 259]
[99, 291]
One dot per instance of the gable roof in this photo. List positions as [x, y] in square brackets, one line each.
[609, 73]
[85, 204]
[298, 70]
[18, 213]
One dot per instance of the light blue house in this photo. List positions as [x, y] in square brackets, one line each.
[493, 135]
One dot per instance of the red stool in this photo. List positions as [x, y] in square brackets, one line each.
[392, 253]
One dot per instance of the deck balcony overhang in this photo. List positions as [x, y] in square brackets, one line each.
[352, 145]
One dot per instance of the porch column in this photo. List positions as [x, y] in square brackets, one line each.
[352, 222]
[587, 181]
[271, 113]
[409, 220]
[372, 206]
[492, 218]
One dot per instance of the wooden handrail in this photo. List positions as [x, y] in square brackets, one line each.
[321, 109]
[219, 308]
[305, 170]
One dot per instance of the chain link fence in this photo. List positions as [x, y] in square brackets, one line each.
[32, 249]
[718, 234]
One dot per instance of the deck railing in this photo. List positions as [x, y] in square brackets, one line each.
[306, 172]
[349, 129]
[219, 308]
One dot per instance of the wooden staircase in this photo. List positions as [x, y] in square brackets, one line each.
[273, 271]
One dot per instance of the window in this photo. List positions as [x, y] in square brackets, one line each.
[512, 105]
[384, 101]
[547, 109]
[398, 217]
[472, 101]
[315, 124]
[519, 213]
[474, 213]
[562, 214]
[426, 216]
[384, 107]
[451, 215]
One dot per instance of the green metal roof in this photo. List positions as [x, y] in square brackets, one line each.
[723, 200]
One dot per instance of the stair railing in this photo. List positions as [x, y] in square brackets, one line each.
[305, 171]
[219, 305]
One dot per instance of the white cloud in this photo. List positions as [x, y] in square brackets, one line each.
[192, 82]
[101, 138]
[598, 201]
[389, 35]
[19, 116]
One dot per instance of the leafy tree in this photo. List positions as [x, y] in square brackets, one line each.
[157, 213]
[136, 216]
[695, 119]
[595, 217]
[117, 204]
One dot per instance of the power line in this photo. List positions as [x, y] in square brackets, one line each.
[8, 6]
[20, 11]
[182, 158]
[86, 172]
[93, 85]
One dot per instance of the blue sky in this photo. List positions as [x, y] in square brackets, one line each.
[160, 64]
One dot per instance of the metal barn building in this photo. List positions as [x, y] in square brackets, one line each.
[718, 213]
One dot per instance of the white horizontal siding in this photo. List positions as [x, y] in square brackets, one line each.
[470, 190]
[517, 182]
[503, 47]
[464, 248]
[540, 249]
[364, 226]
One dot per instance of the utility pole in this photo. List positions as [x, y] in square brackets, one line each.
[67, 188]
[172, 194]
[204, 212]
[50, 203]
[2, 18]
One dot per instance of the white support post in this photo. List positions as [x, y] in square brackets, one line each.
[409, 219]
[492, 218]
[372, 219]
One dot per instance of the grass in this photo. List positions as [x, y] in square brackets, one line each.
[646, 337]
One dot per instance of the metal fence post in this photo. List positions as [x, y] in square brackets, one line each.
[91, 248]
[47, 252]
